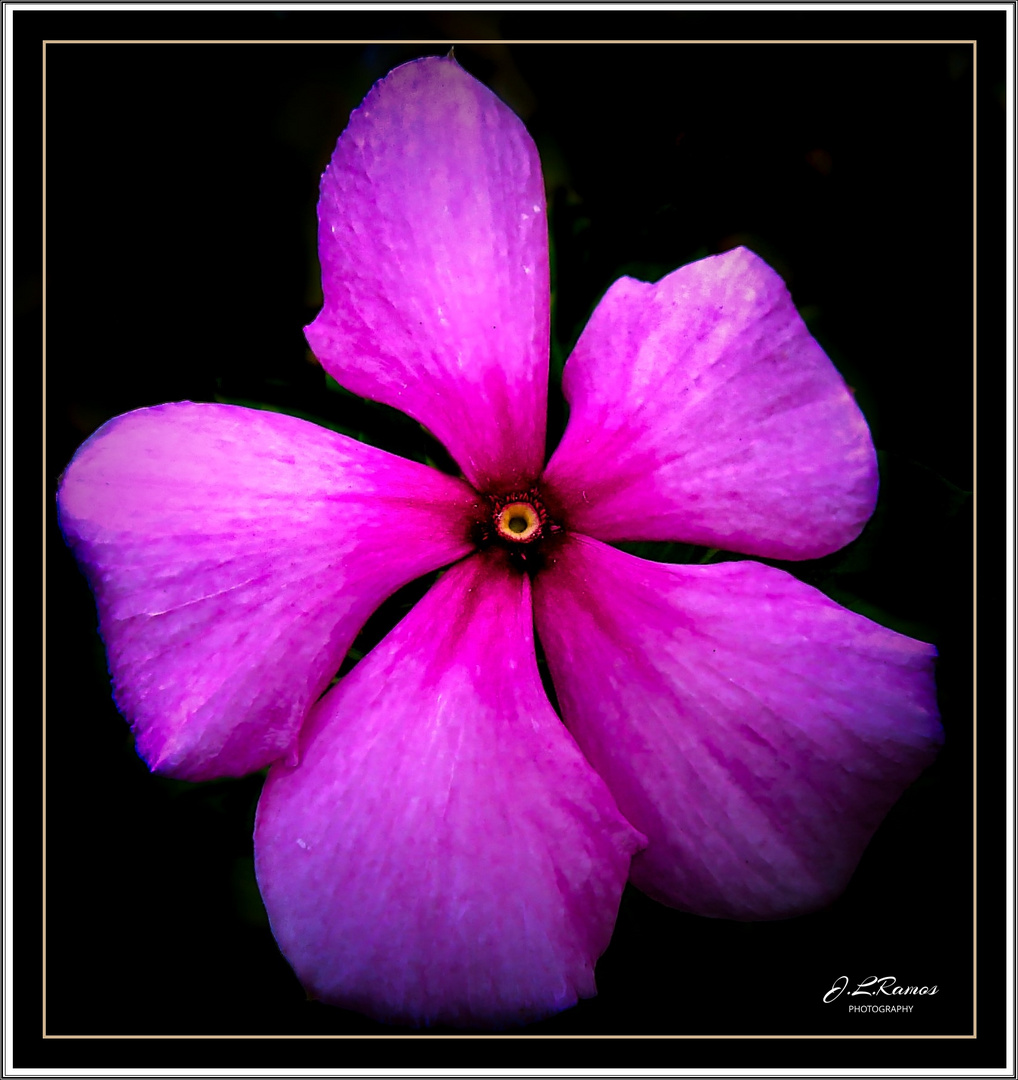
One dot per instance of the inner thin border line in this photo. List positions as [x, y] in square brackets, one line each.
[517, 41]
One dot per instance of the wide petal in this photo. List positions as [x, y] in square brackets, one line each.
[434, 250]
[443, 853]
[754, 730]
[234, 555]
[703, 411]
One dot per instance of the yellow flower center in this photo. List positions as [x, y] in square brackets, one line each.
[518, 522]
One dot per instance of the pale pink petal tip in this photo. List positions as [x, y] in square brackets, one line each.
[754, 730]
[443, 853]
[702, 410]
[434, 250]
[234, 554]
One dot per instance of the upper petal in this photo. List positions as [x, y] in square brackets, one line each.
[434, 250]
[754, 730]
[443, 853]
[703, 411]
[234, 555]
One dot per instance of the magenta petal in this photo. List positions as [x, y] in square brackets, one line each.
[434, 251]
[443, 853]
[234, 555]
[703, 411]
[754, 730]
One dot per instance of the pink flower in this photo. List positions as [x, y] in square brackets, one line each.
[433, 845]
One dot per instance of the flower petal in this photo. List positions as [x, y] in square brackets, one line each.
[703, 411]
[754, 730]
[434, 250]
[443, 853]
[234, 555]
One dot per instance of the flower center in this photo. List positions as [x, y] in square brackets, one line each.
[518, 524]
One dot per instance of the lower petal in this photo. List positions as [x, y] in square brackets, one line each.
[754, 730]
[443, 853]
[234, 555]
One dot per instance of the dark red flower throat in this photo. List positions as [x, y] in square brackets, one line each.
[519, 524]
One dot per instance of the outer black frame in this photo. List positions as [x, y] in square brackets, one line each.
[155, 169]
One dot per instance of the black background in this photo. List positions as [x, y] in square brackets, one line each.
[181, 181]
